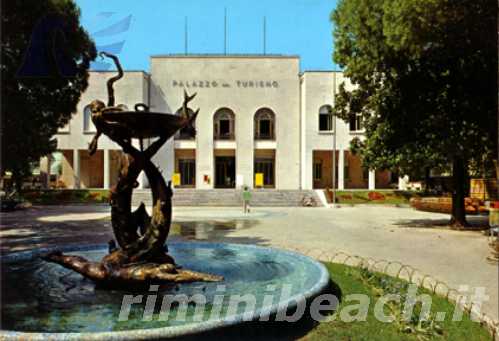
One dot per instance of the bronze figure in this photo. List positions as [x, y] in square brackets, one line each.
[141, 255]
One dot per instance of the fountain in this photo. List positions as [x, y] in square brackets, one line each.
[84, 292]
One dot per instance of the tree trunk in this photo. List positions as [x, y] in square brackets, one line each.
[18, 181]
[427, 180]
[458, 218]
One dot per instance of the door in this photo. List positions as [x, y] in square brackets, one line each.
[225, 172]
[265, 166]
[187, 170]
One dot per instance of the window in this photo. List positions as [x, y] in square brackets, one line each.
[264, 128]
[88, 125]
[318, 170]
[326, 118]
[223, 125]
[325, 123]
[356, 122]
[189, 132]
[264, 125]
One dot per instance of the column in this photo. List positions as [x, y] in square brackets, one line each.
[245, 150]
[76, 168]
[142, 180]
[45, 171]
[308, 166]
[49, 165]
[372, 179]
[107, 169]
[341, 169]
[403, 183]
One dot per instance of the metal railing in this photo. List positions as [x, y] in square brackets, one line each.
[227, 136]
[405, 272]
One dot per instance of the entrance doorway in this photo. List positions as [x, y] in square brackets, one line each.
[265, 165]
[322, 169]
[225, 172]
[185, 165]
[187, 170]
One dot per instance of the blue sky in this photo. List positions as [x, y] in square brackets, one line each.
[137, 29]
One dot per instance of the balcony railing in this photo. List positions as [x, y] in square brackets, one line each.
[226, 136]
[263, 136]
[182, 135]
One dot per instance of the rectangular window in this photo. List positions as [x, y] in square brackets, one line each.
[356, 122]
[317, 170]
[325, 122]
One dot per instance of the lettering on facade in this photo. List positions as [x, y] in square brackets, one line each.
[241, 84]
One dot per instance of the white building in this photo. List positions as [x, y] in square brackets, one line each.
[259, 115]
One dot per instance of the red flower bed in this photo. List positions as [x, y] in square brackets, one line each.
[375, 196]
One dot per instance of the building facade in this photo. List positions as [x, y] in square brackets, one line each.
[262, 123]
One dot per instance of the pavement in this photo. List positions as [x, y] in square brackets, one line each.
[419, 239]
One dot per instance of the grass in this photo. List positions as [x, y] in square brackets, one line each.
[390, 197]
[351, 280]
[96, 196]
[357, 281]
[67, 196]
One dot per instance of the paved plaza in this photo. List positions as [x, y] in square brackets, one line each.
[419, 239]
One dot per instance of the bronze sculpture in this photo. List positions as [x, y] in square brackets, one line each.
[141, 256]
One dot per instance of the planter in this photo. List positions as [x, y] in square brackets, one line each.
[483, 189]
[493, 217]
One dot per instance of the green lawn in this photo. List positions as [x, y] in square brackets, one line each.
[67, 196]
[356, 281]
[350, 280]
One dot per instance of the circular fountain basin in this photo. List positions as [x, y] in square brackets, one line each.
[43, 300]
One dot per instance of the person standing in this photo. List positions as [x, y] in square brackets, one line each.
[246, 199]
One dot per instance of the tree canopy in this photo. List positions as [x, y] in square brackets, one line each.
[45, 59]
[425, 77]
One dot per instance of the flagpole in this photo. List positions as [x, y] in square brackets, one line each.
[186, 37]
[264, 35]
[225, 31]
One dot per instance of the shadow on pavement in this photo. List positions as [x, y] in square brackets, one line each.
[477, 223]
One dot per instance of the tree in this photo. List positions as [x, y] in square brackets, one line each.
[45, 59]
[425, 76]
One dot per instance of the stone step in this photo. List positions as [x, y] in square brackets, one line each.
[232, 197]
